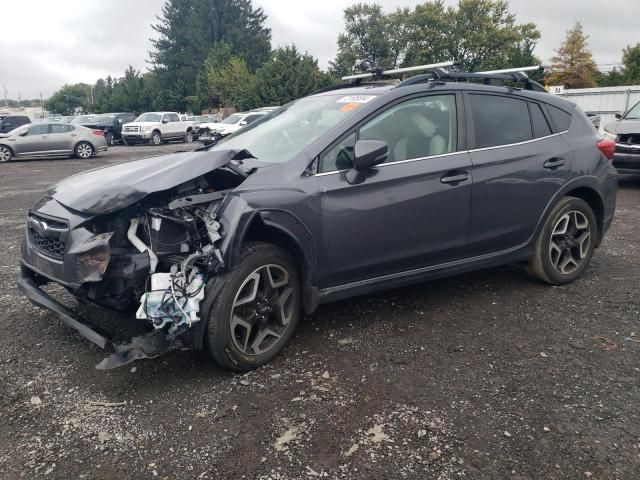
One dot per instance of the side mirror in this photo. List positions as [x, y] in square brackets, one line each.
[25, 133]
[618, 115]
[119, 120]
[367, 154]
[164, 120]
[243, 123]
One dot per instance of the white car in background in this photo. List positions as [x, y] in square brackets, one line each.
[157, 127]
[233, 122]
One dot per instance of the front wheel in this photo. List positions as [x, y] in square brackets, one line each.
[5, 154]
[109, 138]
[566, 243]
[257, 310]
[83, 150]
[156, 139]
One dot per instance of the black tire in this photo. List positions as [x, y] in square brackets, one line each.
[84, 151]
[109, 138]
[552, 250]
[156, 139]
[6, 154]
[223, 344]
[188, 138]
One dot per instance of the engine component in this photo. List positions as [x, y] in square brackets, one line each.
[140, 245]
[172, 301]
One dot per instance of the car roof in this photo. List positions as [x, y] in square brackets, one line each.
[384, 88]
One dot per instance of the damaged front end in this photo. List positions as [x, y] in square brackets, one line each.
[144, 240]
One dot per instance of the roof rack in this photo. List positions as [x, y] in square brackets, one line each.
[376, 72]
[515, 75]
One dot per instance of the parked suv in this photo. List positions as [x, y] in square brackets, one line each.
[233, 123]
[109, 123]
[157, 127]
[346, 192]
[625, 131]
[11, 122]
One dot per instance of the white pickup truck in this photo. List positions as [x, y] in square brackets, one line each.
[157, 127]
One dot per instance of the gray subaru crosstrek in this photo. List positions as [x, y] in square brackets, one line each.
[352, 190]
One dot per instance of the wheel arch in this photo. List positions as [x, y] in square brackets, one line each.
[585, 188]
[13, 154]
[287, 232]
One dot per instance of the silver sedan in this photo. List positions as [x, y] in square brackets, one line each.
[47, 139]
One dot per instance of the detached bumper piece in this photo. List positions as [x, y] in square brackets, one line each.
[150, 345]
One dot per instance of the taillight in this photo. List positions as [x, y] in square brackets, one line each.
[100, 133]
[607, 147]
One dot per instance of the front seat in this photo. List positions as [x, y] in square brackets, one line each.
[420, 139]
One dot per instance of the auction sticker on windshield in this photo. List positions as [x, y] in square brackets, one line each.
[356, 99]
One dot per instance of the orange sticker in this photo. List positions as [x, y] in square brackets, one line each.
[347, 107]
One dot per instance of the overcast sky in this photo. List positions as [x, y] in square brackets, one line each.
[45, 43]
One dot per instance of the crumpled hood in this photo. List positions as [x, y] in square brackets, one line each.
[107, 189]
[622, 127]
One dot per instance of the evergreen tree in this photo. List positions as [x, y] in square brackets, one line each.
[631, 65]
[287, 76]
[573, 64]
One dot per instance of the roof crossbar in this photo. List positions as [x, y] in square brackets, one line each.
[516, 75]
[378, 72]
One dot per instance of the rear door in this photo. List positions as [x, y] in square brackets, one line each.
[413, 210]
[62, 137]
[518, 165]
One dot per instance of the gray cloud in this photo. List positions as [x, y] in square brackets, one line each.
[49, 43]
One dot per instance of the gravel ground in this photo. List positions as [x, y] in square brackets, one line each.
[484, 375]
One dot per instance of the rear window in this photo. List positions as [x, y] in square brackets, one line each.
[560, 118]
[541, 127]
[499, 120]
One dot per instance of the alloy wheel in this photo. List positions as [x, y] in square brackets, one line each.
[5, 154]
[189, 138]
[570, 240]
[84, 150]
[156, 139]
[262, 309]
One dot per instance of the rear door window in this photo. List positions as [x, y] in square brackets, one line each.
[61, 128]
[540, 125]
[560, 119]
[499, 120]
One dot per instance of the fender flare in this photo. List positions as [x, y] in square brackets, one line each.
[590, 182]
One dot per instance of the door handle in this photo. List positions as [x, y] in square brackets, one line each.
[44, 136]
[553, 163]
[453, 177]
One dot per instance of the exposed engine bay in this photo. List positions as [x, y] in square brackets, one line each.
[153, 256]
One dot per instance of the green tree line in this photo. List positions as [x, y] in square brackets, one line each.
[217, 53]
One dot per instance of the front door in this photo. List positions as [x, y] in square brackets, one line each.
[410, 212]
[36, 140]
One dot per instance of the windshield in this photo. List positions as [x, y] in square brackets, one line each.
[83, 119]
[281, 134]
[634, 113]
[230, 120]
[149, 117]
[19, 130]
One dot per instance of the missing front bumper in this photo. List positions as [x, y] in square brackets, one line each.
[150, 345]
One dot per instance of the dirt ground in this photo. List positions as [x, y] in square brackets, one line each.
[485, 375]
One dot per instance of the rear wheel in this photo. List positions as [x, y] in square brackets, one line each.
[566, 243]
[188, 138]
[109, 138]
[257, 310]
[156, 139]
[5, 154]
[83, 150]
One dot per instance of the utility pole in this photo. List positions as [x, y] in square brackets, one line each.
[6, 103]
[19, 99]
[42, 104]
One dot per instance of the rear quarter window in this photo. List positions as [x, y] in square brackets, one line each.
[560, 119]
